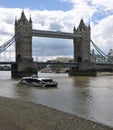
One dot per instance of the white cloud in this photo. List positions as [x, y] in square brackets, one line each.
[102, 33]
[107, 4]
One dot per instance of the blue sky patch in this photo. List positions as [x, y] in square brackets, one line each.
[37, 4]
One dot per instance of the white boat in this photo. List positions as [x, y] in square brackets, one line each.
[40, 82]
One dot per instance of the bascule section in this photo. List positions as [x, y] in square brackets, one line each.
[24, 65]
[82, 54]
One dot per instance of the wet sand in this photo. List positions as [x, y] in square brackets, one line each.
[22, 115]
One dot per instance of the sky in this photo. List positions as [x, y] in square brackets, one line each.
[59, 15]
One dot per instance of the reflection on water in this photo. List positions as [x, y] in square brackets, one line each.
[88, 97]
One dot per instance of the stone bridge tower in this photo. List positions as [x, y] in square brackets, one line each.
[82, 51]
[23, 31]
[82, 46]
[24, 65]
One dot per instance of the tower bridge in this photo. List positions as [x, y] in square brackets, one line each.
[24, 64]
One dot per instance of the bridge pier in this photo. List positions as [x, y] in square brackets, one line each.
[83, 69]
[23, 69]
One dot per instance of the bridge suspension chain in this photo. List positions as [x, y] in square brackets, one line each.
[99, 50]
[7, 44]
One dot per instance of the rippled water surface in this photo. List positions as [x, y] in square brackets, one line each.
[87, 97]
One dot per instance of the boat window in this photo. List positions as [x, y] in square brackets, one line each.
[47, 80]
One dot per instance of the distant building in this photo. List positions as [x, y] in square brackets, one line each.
[110, 55]
[98, 58]
[61, 59]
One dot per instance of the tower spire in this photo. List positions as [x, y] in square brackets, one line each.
[30, 20]
[23, 17]
[16, 21]
[74, 29]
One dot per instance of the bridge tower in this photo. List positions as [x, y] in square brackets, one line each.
[23, 28]
[24, 65]
[82, 51]
[82, 46]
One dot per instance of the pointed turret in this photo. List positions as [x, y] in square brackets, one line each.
[30, 20]
[16, 22]
[74, 29]
[89, 27]
[23, 17]
[81, 25]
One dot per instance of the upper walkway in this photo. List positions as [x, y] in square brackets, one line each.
[55, 34]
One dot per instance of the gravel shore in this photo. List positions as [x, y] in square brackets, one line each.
[22, 115]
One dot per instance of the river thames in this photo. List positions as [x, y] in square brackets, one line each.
[87, 97]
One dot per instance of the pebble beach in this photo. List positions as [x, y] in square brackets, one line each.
[23, 115]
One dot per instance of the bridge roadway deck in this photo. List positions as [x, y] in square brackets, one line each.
[7, 62]
[104, 67]
[44, 64]
[55, 34]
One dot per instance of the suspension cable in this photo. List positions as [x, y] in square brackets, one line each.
[7, 44]
[98, 49]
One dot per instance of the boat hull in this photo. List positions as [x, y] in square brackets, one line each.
[39, 82]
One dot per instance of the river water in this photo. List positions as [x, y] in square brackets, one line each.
[87, 97]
